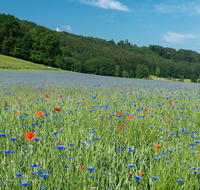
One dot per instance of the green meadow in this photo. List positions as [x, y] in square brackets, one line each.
[65, 130]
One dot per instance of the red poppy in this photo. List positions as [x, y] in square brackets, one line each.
[29, 135]
[157, 147]
[168, 121]
[129, 117]
[84, 102]
[82, 167]
[39, 114]
[47, 96]
[57, 109]
[170, 102]
[16, 112]
[73, 101]
[130, 174]
[65, 130]
[168, 135]
[19, 102]
[81, 87]
[60, 96]
[118, 114]
[59, 143]
[59, 128]
[99, 96]
[141, 174]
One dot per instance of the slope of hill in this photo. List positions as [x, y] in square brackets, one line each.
[7, 62]
[29, 41]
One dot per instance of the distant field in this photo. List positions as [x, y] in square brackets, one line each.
[161, 78]
[7, 62]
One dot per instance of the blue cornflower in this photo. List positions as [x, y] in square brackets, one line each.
[44, 175]
[180, 180]
[130, 165]
[71, 143]
[179, 148]
[138, 177]
[193, 152]
[33, 165]
[60, 147]
[118, 150]
[168, 162]
[19, 174]
[24, 184]
[170, 151]
[97, 138]
[13, 139]
[123, 147]
[3, 135]
[151, 127]
[155, 178]
[156, 159]
[54, 133]
[90, 168]
[36, 139]
[91, 176]
[67, 166]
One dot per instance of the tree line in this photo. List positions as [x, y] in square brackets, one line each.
[32, 42]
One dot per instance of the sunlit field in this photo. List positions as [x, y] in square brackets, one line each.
[65, 130]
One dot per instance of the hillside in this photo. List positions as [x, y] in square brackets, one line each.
[7, 62]
[29, 41]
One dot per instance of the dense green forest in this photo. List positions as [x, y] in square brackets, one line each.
[29, 41]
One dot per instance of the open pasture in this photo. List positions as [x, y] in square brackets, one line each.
[65, 130]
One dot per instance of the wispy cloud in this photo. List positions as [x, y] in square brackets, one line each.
[69, 29]
[177, 38]
[107, 4]
[57, 29]
[190, 8]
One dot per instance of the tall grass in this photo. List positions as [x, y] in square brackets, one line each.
[25, 93]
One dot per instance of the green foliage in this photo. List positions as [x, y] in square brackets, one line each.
[125, 74]
[29, 41]
[193, 78]
[181, 79]
[117, 69]
[157, 72]
[142, 71]
[169, 78]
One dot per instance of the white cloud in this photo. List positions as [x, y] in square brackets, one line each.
[188, 7]
[57, 29]
[107, 4]
[68, 28]
[177, 38]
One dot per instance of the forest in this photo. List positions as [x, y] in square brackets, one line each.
[29, 41]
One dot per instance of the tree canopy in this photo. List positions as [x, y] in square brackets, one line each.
[29, 41]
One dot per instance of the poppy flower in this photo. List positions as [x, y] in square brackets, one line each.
[29, 136]
[60, 96]
[19, 102]
[130, 174]
[16, 112]
[59, 128]
[141, 174]
[129, 117]
[81, 87]
[57, 109]
[73, 101]
[99, 96]
[157, 147]
[65, 130]
[168, 121]
[39, 114]
[59, 143]
[168, 135]
[170, 103]
[82, 167]
[47, 96]
[119, 114]
[84, 102]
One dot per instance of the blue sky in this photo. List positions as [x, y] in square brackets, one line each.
[170, 23]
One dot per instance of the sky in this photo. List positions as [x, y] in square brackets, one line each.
[168, 23]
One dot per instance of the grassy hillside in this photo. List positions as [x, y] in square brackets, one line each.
[7, 62]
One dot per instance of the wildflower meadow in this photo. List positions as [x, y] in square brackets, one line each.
[65, 130]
